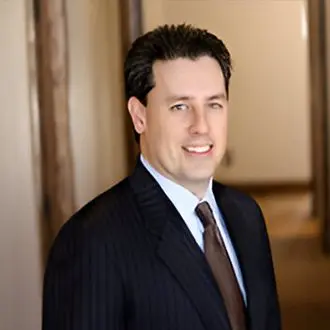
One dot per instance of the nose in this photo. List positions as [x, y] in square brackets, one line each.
[199, 123]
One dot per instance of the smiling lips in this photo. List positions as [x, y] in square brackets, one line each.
[199, 150]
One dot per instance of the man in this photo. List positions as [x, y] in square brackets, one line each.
[138, 257]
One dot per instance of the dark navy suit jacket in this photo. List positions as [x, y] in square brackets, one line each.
[127, 261]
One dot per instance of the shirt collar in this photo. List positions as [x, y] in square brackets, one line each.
[183, 199]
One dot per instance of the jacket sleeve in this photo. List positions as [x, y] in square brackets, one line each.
[83, 288]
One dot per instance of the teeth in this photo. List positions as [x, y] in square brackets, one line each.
[199, 149]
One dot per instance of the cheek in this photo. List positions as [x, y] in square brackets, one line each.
[153, 126]
[219, 129]
[160, 134]
[167, 128]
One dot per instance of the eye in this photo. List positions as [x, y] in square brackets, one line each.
[179, 107]
[216, 105]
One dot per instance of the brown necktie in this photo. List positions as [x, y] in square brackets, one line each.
[217, 257]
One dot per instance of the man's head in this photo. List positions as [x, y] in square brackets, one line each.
[176, 82]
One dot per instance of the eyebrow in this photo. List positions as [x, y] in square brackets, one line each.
[220, 96]
[174, 98]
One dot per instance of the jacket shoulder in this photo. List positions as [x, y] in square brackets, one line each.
[97, 223]
[240, 198]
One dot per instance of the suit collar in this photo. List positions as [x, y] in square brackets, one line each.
[177, 249]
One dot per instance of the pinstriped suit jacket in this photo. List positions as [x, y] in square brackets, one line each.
[127, 261]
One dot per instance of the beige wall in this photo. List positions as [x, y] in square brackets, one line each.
[20, 266]
[97, 112]
[269, 114]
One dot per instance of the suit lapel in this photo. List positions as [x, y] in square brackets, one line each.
[177, 249]
[243, 237]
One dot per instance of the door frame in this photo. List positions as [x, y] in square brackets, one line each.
[319, 115]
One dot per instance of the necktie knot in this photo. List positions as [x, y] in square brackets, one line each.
[205, 214]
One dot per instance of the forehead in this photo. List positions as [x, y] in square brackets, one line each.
[201, 76]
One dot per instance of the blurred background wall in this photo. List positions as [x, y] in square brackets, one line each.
[20, 255]
[96, 96]
[269, 138]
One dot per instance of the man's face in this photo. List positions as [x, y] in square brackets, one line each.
[183, 128]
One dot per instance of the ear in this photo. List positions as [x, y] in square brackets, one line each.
[138, 114]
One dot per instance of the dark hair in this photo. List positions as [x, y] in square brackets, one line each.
[169, 42]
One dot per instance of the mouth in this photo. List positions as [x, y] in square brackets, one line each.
[198, 150]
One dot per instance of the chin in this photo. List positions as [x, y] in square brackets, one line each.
[200, 177]
[198, 173]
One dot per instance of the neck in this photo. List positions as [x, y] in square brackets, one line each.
[196, 187]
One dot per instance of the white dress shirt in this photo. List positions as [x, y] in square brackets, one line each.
[185, 202]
